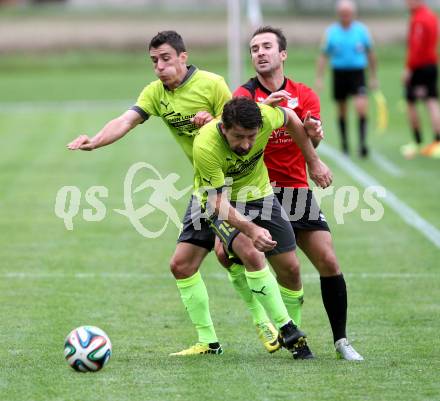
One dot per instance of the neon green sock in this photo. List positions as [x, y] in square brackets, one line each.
[195, 298]
[293, 301]
[265, 288]
[237, 277]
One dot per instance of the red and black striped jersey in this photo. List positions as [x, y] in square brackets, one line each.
[283, 158]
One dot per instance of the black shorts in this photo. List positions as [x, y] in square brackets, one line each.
[269, 215]
[348, 83]
[422, 84]
[302, 209]
[196, 229]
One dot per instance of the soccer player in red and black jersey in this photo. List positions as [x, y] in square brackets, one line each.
[420, 76]
[287, 171]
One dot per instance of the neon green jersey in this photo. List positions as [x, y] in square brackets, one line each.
[214, 161]
[199, 91]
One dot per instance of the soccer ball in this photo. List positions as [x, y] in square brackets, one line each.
[87, 349]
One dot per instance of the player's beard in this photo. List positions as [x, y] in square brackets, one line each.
[268, 70]
[241, 152]
[264, 70]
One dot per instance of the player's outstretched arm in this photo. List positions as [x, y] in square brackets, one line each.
[112, 131]
[260, 237]
[318, 171]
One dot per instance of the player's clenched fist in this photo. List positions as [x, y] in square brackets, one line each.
[83, 142]
[313, 127]
[320, 174]
[262, 239]
[202, 118]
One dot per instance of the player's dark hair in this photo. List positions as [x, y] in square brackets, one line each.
[171, 38]
[243, 112]
[282, 42]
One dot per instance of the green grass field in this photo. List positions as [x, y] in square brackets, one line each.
[105, 274]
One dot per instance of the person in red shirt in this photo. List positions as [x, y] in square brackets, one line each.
[420, 76]
[287, 172]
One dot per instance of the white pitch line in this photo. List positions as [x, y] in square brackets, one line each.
[386, 164]
[409, 215]
[66, 105]
[215, 276]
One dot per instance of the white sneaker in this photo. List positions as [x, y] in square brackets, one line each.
[410, 150]
[345, 351]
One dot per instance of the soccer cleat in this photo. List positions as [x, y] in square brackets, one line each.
[294, 340]
[268, 335]
[410, 150]
[345, 351]
[431, 150]
[435, 154]
[302, 351]
[199, 349]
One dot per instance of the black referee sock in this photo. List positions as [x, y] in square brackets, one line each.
[363, 135]
[417, 136]
[343, 132]
[334, 297]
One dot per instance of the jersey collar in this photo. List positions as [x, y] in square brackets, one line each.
[348, 28]
[267, 91]
[420, 9]
[191, 70]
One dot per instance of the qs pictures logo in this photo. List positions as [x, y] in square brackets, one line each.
[146, 194]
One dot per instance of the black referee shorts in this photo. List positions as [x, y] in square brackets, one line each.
[348, 83]
[422, 84]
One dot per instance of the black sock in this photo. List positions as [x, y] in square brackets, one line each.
[417, 136]
[334, 297]
[437, 137]
[362, 132]
[343, 132]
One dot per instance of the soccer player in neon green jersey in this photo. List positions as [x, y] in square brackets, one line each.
[229, 153]
[182, 97]
[185, 98]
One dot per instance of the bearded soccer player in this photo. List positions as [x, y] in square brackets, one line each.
[229, 153]
[184, 97]
[287, 171]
